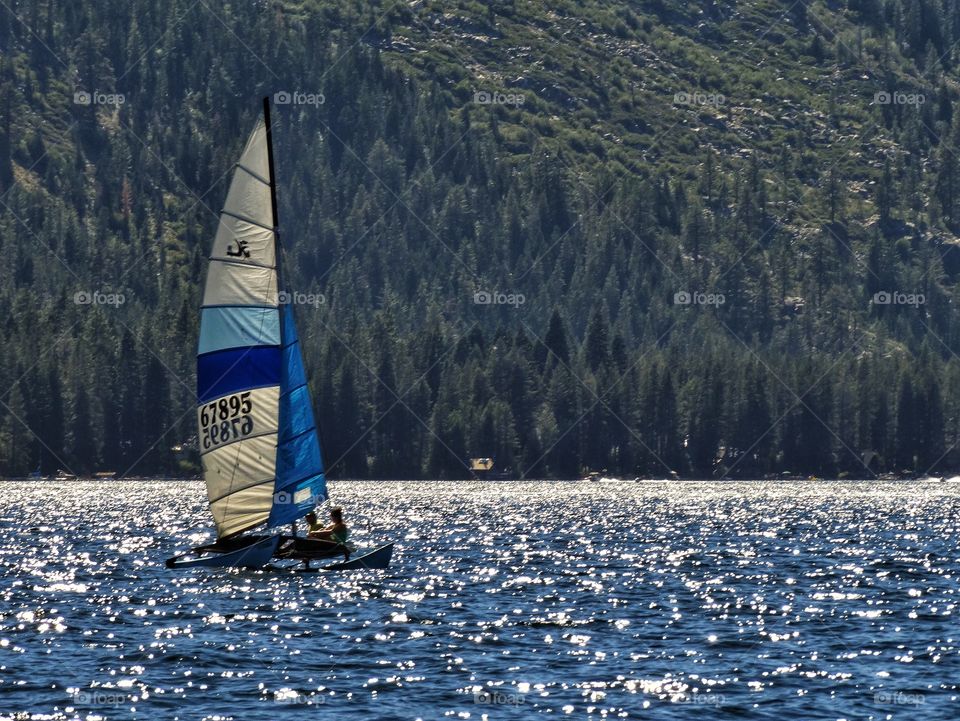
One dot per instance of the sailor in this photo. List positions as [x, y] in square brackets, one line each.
[337, 530]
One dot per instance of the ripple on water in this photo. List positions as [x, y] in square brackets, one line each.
[757, 600]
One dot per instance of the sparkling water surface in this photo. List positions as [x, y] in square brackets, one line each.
[806, 600]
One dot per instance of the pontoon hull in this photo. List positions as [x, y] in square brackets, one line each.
[254, 555]
[379, 558]
[304, 548]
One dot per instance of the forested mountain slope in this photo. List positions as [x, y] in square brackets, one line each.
[627, 236]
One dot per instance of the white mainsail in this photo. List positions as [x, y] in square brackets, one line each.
[239, 354]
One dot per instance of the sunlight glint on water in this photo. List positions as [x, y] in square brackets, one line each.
[617, 600]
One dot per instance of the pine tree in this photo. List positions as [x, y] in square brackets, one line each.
[597, 345]
[554, 343]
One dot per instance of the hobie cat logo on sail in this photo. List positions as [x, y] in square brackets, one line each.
[96, 297]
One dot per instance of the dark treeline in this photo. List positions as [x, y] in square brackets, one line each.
[715, 313]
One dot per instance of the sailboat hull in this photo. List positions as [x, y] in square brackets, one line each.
[256, 554]
[379, 558]
[304, 548]
[310, 549]
[256, 432]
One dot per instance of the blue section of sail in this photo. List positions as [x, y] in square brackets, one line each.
[300, 417]
[301, 455]
[238, 369]
[301, 483]
[238, 327]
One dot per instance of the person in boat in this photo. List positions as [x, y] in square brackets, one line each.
[337, 531]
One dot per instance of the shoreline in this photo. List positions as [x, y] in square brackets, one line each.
[611, 481]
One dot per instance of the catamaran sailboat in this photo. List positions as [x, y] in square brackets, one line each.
[258, 440]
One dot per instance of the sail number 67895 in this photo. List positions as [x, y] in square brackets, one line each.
[226, 419]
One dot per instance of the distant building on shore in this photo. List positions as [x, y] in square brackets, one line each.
[484, 469]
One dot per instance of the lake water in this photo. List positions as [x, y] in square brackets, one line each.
[812, 600]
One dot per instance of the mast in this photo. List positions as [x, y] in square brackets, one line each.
[276, 223]
[273, 181]
[273, 199]
[302, 470]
